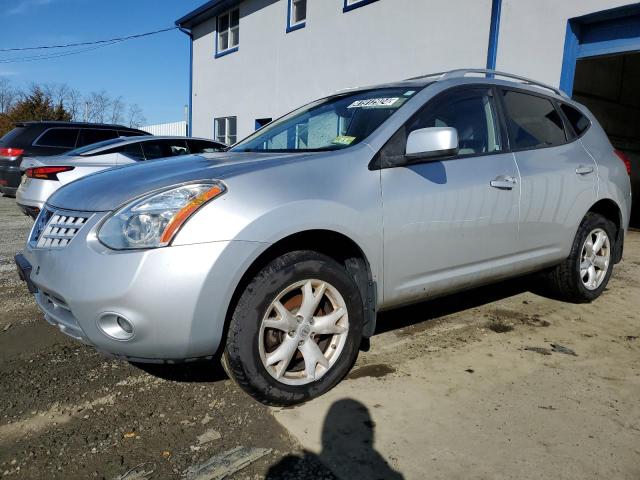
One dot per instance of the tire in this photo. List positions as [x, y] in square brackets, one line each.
[568, 280]
[253, 340]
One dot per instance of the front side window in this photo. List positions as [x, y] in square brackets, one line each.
[331, 123]
[471, 112]
[225, 130]
[228, 32]
[58, 137]
[532, 121]
[204, 146]
[154, 149]
[297, 14]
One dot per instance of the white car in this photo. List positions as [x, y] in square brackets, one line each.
[44, 175]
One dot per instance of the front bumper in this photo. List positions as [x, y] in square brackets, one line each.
[176, 297]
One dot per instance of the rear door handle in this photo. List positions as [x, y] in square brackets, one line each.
[503, 182]
[582, 170]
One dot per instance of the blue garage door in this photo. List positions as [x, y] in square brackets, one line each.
[603, 33]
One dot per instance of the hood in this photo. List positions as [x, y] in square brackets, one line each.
[107, 190]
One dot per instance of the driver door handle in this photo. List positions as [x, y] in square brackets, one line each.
[582, 170]
[503, 182]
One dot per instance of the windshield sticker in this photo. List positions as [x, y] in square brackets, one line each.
[374, 102]
[409, 93]
[343, 140]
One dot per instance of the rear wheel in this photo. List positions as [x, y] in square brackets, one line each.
[295, 331]
[584, 275]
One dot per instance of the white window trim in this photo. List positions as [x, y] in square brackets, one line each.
[233, 48]
[291, 25]
[227, 138]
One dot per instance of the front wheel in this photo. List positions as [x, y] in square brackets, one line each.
[584, 275]
[296, 329]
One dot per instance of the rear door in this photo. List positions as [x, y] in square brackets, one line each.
[559, 180]
[452, 222]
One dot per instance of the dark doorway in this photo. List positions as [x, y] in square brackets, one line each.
[609, 87]
[261, 122]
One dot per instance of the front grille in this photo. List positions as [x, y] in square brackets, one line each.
[56, 229]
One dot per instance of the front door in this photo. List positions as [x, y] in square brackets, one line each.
[450, 223]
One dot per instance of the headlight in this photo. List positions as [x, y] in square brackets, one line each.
[153, 220]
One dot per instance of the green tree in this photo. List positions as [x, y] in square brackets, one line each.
[34, 105]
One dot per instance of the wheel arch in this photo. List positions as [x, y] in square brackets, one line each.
[610, 210]
[336, 245]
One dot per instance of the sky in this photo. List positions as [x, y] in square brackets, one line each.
[152, 72]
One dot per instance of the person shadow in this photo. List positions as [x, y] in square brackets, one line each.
[348, 435]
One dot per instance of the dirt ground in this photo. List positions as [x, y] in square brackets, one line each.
[462, 387]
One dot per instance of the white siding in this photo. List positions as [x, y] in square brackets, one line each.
[532, 34]
[274, 71]
[178, 129]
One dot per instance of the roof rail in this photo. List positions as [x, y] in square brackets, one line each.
[491, 74]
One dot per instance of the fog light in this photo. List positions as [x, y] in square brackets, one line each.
[116, 326]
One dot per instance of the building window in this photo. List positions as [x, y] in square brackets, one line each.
[226, 130]
[228, 32]
[296, 14]
[353, 4]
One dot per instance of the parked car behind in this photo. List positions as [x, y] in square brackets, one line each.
[29, 139]
[282, 250]
[44, 175]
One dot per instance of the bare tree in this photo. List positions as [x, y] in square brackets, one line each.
[117, 110]
[99, 104]
[74, 104]
[8, 95]
[57, 92]
[136, 118]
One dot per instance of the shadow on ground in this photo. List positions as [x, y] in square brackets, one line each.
[348, 436]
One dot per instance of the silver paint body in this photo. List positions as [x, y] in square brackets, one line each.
[34, 192]
[425, 229]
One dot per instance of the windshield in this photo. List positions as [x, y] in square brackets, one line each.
[93, 146]
[332, 123]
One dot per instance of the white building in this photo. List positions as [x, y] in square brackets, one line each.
[254, 60]
[175, 129]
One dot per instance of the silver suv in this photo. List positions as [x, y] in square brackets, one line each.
[281, 251]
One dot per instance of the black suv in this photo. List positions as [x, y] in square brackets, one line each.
[49, 138]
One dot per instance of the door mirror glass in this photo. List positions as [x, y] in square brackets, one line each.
[432, 142]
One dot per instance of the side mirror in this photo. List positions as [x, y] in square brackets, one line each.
[431, 143]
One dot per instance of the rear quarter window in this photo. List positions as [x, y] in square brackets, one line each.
[532, 121]
[578, 121]
[58, 137]
[14, 137]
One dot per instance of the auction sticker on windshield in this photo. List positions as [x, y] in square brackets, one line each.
[374, 102]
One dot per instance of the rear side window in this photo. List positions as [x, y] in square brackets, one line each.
[578, 121]
[533, 121]
[164, 148]
[129, 133]
[132, 150]
[89, 136]
[58, 137]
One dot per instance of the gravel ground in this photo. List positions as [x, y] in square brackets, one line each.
[67, 412]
